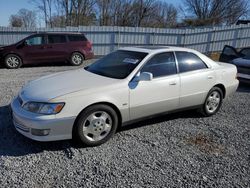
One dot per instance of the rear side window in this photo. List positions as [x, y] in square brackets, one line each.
[73, 38]
[52, 39]
[188, 61]
[161, 65]
[245, 53]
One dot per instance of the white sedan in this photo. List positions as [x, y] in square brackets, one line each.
[129, 84]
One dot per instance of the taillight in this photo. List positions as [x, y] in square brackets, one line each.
[89, 45]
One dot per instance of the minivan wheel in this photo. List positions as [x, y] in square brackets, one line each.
[96, 125]
[12, 61]
[76, 59]
[213, 102]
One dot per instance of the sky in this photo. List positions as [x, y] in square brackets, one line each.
[9, 7]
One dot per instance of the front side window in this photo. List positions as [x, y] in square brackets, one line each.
[52, 39]
[161, 65]
[37, 40]
[118, 64]
[188, 61]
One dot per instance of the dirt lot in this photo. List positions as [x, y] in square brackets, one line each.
[177, 150]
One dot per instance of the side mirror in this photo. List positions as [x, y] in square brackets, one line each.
[145, 76]
[25, 43]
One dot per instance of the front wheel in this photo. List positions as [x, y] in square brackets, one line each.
[76, 59]
[96, 125]
[12, 61]
[213, 102]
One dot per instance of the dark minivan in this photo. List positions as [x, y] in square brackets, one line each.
[47, 47]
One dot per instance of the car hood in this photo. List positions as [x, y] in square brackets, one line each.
[241, 62]
[7, 46]
[63, 83]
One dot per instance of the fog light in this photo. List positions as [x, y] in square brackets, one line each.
[40, 132]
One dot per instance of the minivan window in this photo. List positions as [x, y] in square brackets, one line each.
[77, 38]
[56, 39]
[161, 65]
[118, 64]
[188, 61]
[37, 40]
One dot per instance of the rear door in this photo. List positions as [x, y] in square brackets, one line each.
[57, 49]
[196, 79]
[33, 50]
[228, 54]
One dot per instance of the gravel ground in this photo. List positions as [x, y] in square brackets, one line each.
[177, 150]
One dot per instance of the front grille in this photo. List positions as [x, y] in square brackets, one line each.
[22, 128]
[243, 70]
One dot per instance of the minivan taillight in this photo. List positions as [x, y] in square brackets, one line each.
[89, 45]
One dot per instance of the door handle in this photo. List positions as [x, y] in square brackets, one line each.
[49, 47]
[173, 83]
[210, 77]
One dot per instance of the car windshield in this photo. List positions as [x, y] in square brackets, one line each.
[118, 64]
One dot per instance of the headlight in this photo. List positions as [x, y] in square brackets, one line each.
[43, 108]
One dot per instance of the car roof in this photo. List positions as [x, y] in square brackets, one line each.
[151, 50]
[59, 33]
[156, 49]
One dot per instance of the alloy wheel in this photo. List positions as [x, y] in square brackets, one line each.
[12, 62]
[97, 126]
[213, 101]
[77, 59]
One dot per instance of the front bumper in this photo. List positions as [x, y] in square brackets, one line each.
[41, 127]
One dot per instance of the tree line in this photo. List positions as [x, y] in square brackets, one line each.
[133, 13]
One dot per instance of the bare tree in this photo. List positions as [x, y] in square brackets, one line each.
[114, 12]
[45, 6]
[165, 15]
[136, 13]
[15, 21]
[214, 12]
[104, 9]
[24, 18]
[76, 12]
[83, 11]
[28, 17]
[66, 9]
[142, 10]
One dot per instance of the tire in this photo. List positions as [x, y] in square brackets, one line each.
[213, 102]
[12, 61]
[76, 59]
[96, 125]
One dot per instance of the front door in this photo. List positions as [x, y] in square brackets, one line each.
[159, 95]
[34, 49]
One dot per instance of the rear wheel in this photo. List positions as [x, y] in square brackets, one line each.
[213, 102]
[96, 125]
[12, 61]
[76, 59]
